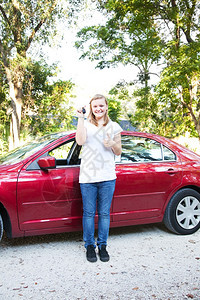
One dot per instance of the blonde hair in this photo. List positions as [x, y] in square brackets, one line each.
[91, 116]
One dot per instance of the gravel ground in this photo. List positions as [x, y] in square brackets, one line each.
[147, 262]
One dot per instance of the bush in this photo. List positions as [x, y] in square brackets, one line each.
[3, 147]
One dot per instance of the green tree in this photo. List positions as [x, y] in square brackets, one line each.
[146, 32]
[179, 89]
[129, 36]
[123, 91]
[47, 103]
[21, 24]
[114, 109]
[4, 118]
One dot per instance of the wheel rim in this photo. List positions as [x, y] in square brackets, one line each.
[188, 212]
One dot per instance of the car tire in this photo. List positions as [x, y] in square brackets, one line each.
[182, 215]
[1, 227]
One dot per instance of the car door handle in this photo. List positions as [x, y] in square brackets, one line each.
[171, 171]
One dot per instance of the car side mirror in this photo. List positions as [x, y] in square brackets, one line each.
[47, 162]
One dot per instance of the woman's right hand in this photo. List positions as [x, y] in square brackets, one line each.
[81, 130]
[79, 112]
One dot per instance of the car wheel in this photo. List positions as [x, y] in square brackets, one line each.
[1, 227]
[182, 214]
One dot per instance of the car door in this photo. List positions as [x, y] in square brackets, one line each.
[147, 173]
[51, 198]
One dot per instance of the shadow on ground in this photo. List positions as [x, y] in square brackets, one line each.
[77, 236]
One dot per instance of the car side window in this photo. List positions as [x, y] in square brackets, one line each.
[168, 154]
[140, 149]
[66, 154]
[62, 151]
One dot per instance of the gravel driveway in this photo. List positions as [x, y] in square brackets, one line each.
[147, 262]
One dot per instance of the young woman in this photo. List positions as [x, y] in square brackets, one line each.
[101, 140]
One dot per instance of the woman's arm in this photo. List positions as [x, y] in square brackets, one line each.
[81, 130]
[114, 144]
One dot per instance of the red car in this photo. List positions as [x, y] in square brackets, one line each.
[157, 180]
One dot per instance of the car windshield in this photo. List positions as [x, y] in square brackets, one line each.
[28, 149]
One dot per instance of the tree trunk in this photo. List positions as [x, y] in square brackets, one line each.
[14, 139]
[15, 91]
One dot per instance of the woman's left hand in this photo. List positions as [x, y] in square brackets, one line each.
[108, 143]
[114, 144]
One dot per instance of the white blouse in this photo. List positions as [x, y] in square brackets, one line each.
[97, 161]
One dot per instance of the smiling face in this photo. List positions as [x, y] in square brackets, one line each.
[99, 108]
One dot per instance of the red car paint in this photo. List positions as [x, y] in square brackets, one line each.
[35, 200]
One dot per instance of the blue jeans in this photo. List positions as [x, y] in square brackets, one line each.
[98, 194]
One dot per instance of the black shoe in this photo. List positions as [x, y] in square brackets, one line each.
[104, 256]
[91, 254]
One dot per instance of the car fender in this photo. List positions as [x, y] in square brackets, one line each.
[188, 181]
[8, 188]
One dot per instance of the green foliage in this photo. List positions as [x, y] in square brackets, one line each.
[128, 37]
[159, 116]
[47, 105]
[22, 19]
[143, 33]
[24, 23]
[151, 110]
[4, 117]
[114, 109]
[123, 91]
